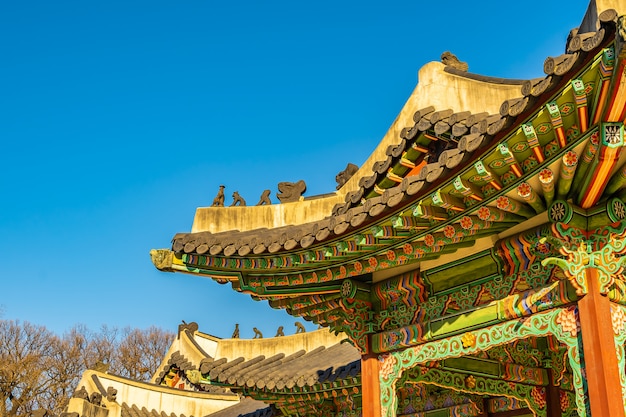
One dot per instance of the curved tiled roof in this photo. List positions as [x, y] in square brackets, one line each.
[247, 407]
[414, 166]
[280, 363]
[300, 369]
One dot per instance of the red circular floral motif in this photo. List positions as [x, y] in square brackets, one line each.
[546, 176]
[484, 213]
[502, 202]
[372, 261]
[467, 222]
[449, 231]
[429, 240]
[524, 190]
[391, 255]
[408, 248]
[358, 267]
[570, 159]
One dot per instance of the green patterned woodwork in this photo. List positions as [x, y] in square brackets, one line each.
[466, 189]
[617, 181]
[528, 194]
[461, 298]
[486, 176]
[324, 304]
[602, 250]
[462, 410]
[521, 251]
[555, 114]
[546, 179]
[567, 110]
[563, 323]
[557, 361]
[474, 366]
[562, 212]
[604, 73]
[606, 156]
[351, 319]
[508, 178]
[451, 238]
[533, 141]
[431, 213]
[494, 369]
[530, 163]
[509, 160]
[572, 133]
[580, 94]
[482, 265]
[409, 223]
[612, 212]
[617, 294]
[397, 301]
[585, 160]
[464, 321]
[513, 206]
[514, 306]
[607, 63]
[522, 352]
[430, 400]
[569, 163]
[534, 397]
[543, 128]
[447, 201]
[502, 404]
[567, 399]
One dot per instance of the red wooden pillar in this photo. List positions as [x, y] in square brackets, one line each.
[601, 365]
[370, 384]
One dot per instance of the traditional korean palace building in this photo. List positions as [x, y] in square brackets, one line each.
[205, 376]
[474, 262]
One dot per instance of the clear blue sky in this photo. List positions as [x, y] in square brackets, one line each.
[119, 118]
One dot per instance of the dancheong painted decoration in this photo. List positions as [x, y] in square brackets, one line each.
[472, 266]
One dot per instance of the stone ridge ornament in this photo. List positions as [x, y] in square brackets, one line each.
[290, 191]
[345, 175]
[450, 60]
[218, 201]
[238, 200]
[265, 198]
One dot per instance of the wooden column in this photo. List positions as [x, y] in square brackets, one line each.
[553, 397]
[601, 365]
[370, 384]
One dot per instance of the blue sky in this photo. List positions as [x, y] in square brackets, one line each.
[119, 118]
